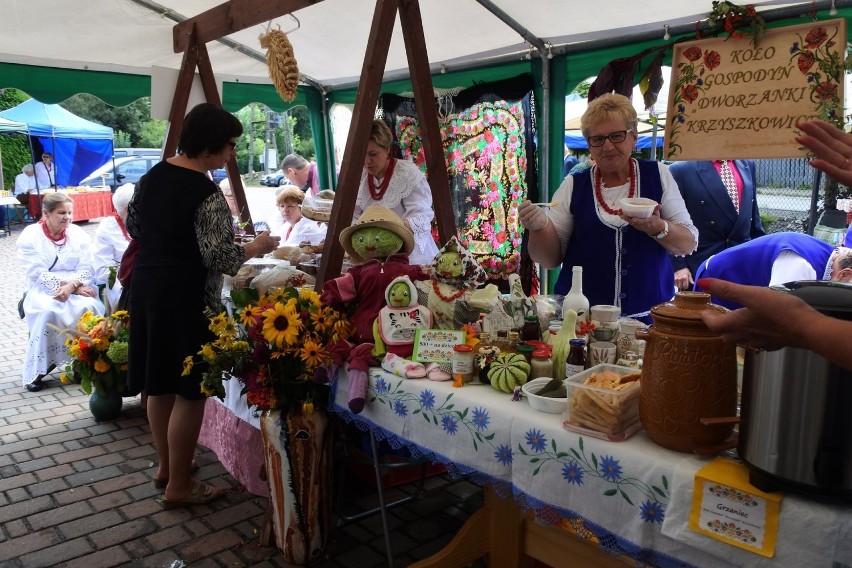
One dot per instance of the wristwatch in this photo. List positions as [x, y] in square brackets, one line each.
[662, 234]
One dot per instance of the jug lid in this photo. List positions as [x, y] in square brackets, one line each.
[686, 305]
[822, 295]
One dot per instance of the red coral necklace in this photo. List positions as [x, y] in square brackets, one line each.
[449, 298]
[55, 240]
[121, 226]
[599, 192]
[378, 193]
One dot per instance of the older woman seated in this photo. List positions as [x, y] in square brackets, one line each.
[56, 256]
[111, 240]
[296, 229]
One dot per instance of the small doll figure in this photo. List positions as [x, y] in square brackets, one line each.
[380, 242]
[394, 329]
[455, 276]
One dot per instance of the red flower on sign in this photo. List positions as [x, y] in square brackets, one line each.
[712, 59]
[693, 53]
[689, 93]
[805, 62]
[826, 90]
[815, 37]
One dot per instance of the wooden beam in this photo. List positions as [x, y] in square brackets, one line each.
[211, 93]
[375, 59]
[231, 17]
[427, 114]
[181, 97]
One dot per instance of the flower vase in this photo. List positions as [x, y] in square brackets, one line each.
[298, 453]
[105, 406]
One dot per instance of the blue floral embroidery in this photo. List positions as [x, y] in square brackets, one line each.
[536, 440]
[452, 421]
[450, 425]
[652, 512]
[572, 473]
[611, 469]
[504, 454]
[576, 466]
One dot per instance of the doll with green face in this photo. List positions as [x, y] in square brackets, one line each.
[395, 328]
[378, 244]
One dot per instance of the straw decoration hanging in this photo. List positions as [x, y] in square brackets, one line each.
[283, 69]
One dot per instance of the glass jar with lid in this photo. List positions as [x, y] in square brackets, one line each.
[541, 365]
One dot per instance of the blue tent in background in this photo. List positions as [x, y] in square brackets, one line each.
[79, 146]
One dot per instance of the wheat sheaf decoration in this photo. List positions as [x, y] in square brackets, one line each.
[283, 69]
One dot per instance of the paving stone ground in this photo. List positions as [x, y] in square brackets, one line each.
[75, 492]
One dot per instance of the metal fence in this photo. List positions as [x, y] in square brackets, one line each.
[784, 193]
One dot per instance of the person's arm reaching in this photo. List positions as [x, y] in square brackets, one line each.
[772, 319]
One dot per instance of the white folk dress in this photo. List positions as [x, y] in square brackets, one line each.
[36, 254]
[107, 250]
[409, 196]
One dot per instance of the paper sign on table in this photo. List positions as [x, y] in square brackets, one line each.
[436, 345]
[725, 506]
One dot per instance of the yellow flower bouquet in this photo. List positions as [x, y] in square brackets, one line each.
[98, 348]
[281, 346]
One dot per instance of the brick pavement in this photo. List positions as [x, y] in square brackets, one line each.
[75, 492]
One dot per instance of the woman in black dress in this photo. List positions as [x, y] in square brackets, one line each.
[186, 242]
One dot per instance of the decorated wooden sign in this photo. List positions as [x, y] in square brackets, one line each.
[435, 345]
[730, 98]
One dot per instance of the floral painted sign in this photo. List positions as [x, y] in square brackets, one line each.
[731, 98]
[436, 345]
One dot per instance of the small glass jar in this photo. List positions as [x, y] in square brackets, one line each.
[531, 331]
[630, 359]
[512, 342]
[576, 361]
[462, 363]
[526, 350]
[542, 365]
[552, 330]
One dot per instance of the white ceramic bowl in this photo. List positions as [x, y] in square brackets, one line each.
[543, 403]
[638, 207]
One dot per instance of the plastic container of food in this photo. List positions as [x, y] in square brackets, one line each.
[543, 403]
[641, 207]
[603, 402]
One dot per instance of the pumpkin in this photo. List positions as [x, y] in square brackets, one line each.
[507, 371]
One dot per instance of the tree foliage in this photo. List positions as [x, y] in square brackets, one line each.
[14, 148]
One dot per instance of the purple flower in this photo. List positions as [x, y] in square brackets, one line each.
[450, 425]
[504, 454]
[381, 386]
[427, 399]
[536, 440]
[480, 419]
[399, 408]
[652, 512]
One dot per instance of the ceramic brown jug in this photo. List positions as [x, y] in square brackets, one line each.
[688, 374]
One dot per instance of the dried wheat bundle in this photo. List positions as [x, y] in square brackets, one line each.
[283, 69]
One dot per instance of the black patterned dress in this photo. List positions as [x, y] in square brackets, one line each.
[186, 242]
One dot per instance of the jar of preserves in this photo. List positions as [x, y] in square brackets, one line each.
[462, 363]
[531, 331]
[576, 361]
[526, 350]
[541, 365]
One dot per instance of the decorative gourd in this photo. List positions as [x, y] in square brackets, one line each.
[508, 370]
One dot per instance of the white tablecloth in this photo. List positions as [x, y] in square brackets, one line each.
[632, 496]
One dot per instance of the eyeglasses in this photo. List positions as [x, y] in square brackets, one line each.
[616, 137]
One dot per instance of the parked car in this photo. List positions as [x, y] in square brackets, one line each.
[120, 171]
[274, 179]
[219, 175]
[122, 152]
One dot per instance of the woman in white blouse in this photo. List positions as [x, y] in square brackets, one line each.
[111, 240]
[295, 228]
[400, 186]
[56, 257]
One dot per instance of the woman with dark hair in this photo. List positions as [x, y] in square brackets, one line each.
[56, 256]
[186, 241]
[400, 186]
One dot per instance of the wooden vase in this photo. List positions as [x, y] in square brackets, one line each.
[298, 453]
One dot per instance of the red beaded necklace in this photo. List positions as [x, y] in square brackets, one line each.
[378, 193]
[449, 298]
[599, 192]
[61, 237]
[121, 226]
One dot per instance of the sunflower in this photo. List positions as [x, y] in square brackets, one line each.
[310, 295]
[281, 325]
[321, 320]
[222, 325]
[313, 354]
[187, 366]
[208, 353]
[121, 315]
[249, 315]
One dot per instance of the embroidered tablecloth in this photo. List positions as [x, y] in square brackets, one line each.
[615, 494]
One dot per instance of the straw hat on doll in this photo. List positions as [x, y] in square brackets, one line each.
[377, 216]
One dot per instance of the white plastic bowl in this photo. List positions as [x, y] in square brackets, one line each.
[543, 403]
[640, 207]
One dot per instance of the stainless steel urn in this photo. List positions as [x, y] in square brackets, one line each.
[796, 415]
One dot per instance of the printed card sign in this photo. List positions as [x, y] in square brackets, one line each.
[726, 507]
[730, 98]
[436, 345]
